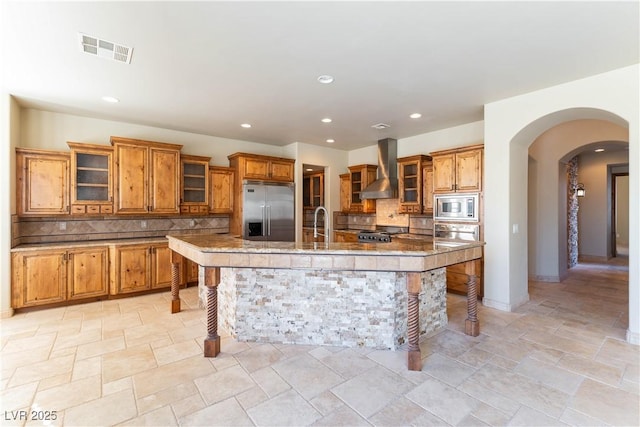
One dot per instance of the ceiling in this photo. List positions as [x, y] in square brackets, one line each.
[208, 67]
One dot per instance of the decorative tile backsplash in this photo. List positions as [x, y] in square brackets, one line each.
[387, 213]
[51, 230]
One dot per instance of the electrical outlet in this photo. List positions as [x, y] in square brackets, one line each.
[62, 225]
[355, 219]
[192, 223]
[516, 229]
[143, 224]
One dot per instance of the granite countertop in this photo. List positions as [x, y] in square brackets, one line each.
[88, 243]
[225, 243]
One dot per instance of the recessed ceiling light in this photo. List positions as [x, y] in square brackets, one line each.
[309, 169]
[415, 115]
[110, 99]
[331, 141]
[246, 125]
[325, 79]
[599, 150]
[326, 120]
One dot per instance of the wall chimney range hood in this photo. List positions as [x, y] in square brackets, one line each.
[386, 186]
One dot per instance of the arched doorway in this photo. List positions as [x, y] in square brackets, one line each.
[549, 153]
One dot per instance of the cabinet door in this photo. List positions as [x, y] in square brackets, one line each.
[195, 184]
[221, 187]
[87, 273]
[469, 170]
[165, 173]
[410, 186]
[281, 171]
[427, 189]
[444, 173]
[132, 268]
[345, 192]
[191, 271]
[160, 266]
[256, 168]
[43, 183]
[39, 277]
[91, 179]
[131, 183]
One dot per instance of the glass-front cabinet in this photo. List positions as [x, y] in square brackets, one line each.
[195, 184]
[410, 183]
[313, 190]
[91, 179]
[361, 177]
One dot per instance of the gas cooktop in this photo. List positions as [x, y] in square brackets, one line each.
[382, 234]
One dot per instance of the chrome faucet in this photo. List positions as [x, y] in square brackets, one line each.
[326, 224]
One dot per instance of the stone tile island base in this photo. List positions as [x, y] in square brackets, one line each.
[342, 294]
[317, 307]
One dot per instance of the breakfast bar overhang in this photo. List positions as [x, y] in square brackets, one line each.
[289, 260]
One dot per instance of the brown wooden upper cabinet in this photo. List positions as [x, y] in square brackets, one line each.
[91, 179]
[42, 182]
[345, 192]
[147, 177]
[194, 185]
[410, 183]
[313, 190]
[361, 177]
[252, 166]
[427, 188]
[221, 189]
[458, 170]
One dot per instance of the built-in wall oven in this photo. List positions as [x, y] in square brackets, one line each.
[456, 207]
[443, 231]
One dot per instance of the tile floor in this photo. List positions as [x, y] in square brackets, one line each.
[561, 359]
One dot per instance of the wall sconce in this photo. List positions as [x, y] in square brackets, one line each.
[580, 191]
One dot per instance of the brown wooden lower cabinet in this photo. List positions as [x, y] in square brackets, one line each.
[140, 267]
[43, 277]
[88, 273]
[457, 279]
[307, 236]
[344, 236]
[54, 276]
[190, 272]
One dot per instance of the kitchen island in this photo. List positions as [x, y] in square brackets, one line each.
[350, 294]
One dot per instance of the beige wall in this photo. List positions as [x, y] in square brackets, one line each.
[9, 137]
[622, 210]
[594, 220]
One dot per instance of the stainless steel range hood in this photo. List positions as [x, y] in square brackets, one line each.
[386, 186]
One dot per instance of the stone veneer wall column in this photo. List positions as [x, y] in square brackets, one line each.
[338, 308]
[572, 212]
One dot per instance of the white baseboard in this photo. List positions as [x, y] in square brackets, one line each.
[550, 279]
[498, 305]
[5, 314]
[633, 337]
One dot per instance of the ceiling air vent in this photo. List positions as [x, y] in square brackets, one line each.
[381, 126]
[105, 49]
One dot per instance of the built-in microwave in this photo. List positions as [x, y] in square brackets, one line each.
[456, 207]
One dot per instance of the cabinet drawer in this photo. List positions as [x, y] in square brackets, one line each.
[106, 209]
[78, 209]
[93, 209]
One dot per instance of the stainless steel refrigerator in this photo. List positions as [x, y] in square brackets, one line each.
[268, 211]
